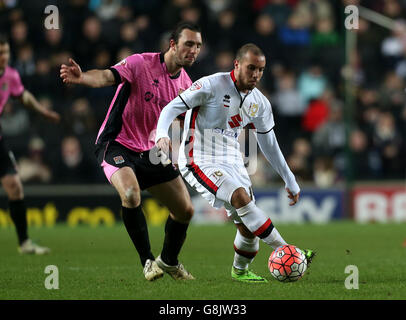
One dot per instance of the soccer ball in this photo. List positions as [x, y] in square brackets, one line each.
[287, 263]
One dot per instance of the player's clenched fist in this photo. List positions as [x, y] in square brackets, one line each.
[72, 73]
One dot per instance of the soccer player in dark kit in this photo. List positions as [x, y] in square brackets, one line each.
[11, 86]
[146, 83]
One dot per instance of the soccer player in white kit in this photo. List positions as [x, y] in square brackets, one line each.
[218, 107]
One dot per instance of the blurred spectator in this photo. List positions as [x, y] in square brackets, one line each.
[19, 34]
[312, 11]
[279, 10]
[360, 155]
[79, 120]
[265, 36]
[288, 106]
[329, 138]
[72, 165]
[392, 95]
[312, 83]
[299, 160]
[324, 173]
[15, 125]
[222, 31]
[91, 42]
[32, 169]
[224, 61]
[369, 39]
[394, 46]
[25, 63]
[387, 142]
[106, 9]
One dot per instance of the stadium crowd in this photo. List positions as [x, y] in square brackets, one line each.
[304, 42]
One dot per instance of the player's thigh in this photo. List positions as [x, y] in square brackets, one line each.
[125, 182]
[13, 186]
[174, 195]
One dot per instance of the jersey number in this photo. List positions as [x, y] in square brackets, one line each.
[236, 121]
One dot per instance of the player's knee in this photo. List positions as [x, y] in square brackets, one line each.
[240, 198]
[244, 231]
[14, 189]
[184, 215]
[189, 212]
[131, 198]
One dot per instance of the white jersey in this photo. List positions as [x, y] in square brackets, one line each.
[217, 114]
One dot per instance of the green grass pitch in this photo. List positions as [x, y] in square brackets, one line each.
[101, 263]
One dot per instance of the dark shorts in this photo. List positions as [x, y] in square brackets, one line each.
[114, 156]
[7, 161]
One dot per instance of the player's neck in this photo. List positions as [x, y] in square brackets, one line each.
[171, 65]
[238, 85]
[240, 89]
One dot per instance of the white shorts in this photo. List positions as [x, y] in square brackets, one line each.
[217, 183]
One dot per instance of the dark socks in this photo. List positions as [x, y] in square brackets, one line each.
[136, 225]
[175, 235]
[18, 214]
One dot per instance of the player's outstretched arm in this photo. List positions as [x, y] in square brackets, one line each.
[29, 101]
[270, 148]
[73, 74]
[168, 114]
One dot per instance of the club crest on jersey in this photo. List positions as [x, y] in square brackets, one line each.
[122, 62]
[253, 109]
[118, 160]
[226, 98]
[4, 87]
[196, 86]
[148, 96]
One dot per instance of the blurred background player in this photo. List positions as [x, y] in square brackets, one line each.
[11, 85]
[146, 83]
[221, 177]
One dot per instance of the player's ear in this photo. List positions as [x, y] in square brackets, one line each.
[172, 44]
[236, 64]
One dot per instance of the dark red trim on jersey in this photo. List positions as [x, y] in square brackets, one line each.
[246, 254]
[264, 230]
[233, 76]
[202, 178]
[192, 166]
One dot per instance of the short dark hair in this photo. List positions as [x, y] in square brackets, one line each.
[182, 26]
[249, 47]
[3, 39]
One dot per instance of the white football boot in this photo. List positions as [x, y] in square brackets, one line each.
[176, 272]
[29, 247]
[152, 271]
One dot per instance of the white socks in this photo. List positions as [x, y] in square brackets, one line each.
[259, 224]
[245, 250]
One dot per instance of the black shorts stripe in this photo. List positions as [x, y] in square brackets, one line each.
[115, 121]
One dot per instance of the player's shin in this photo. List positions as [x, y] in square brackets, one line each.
[245, 251]
[136, 225]
[175, 235]
[18, 214]
[260, 225]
